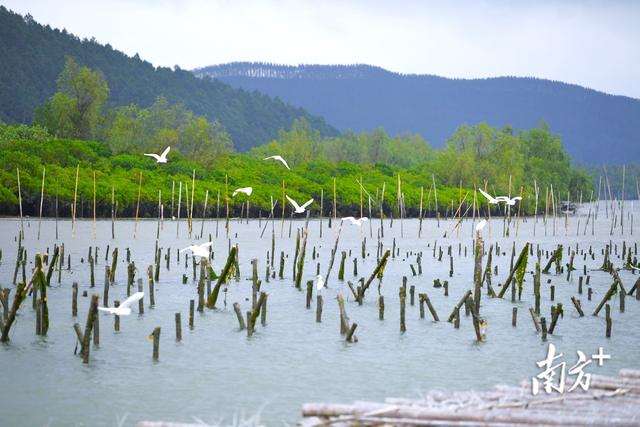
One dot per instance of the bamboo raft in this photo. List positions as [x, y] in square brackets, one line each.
[610, 401]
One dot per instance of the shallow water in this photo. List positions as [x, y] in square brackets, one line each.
[216, 373]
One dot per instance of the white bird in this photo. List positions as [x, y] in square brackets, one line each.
[245, 190]
[490, 199]
[298, 208]
[279, 158]
[319, 282]
[199, 250]
[124, 309]
[354, 221]
[508, 201]
[162, 158]
[481, 225]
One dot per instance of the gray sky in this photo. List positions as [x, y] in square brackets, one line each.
[590, 43]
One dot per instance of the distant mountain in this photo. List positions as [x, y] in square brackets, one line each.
[32, 56]
[595, 127]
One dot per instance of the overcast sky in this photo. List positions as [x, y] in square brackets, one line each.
[592, 43]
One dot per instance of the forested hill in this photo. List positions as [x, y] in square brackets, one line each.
[32, 56]
[595, 127]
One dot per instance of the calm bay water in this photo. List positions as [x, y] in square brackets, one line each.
[217, 374]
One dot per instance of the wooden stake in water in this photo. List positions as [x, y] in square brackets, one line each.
[204, 212]
[193, 190]
[41, 200]
[155, 336]
[94, 205]
[179, 203]
[135, 226]
[113, 213]
[73, 210]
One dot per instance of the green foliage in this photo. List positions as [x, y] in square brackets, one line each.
[74, 111]
[136, 130]
[303, 143]
[305, 180]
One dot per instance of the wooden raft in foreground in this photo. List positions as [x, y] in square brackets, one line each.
[610, 401]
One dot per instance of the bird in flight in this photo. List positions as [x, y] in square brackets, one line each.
[297, 208]
[199, 250]
[123, 309]
[279, 158]
[354, 221]
[162, 158]
[245, 190]
[489, 197]
[495, 200]
[507, 200]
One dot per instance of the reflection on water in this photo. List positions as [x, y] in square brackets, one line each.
[215, 372]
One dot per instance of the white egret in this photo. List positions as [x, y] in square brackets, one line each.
[199, 250]
[279, 158]
[298, 208]
[490, 199]
[319, 282]
[245, 190]
[123, 309]
[481, 225]
[162, 158]
[507, 200]
[354, 221]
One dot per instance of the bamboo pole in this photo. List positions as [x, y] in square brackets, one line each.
[179, 205]
[73, 210]
[41, 201]
[135, 226]
[94, 205]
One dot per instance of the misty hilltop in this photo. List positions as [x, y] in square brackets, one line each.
[595, 127]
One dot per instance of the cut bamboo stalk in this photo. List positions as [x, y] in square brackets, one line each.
[41, 202]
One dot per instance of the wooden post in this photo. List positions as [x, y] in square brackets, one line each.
[178, 327]
[191, 313]
[236, 308]
[309, 293]
[403, 327]
[116, 318]
[86, 337]
[319, 303]
[381, 307]
[74, 300]
[105, 297]
[155, 335]
[514, 316]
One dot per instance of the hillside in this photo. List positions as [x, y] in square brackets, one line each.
[594, 126]
[33, 55]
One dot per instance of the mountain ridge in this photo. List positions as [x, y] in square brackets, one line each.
[304, 70]
[595, 126]
[34, 54]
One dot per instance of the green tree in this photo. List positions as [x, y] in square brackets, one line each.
[74, 111]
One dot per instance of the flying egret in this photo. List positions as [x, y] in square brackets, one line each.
[319, 282]
[507, 200]
[490, 199]
[199, 250]
[279, 158]
[298, 208]
[162, 158]
[245, 190]
[354, 221]
[123, 309]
